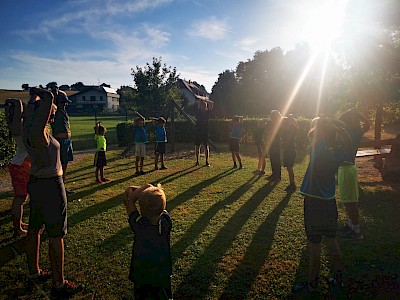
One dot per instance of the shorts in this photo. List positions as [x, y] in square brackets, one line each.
[160, 148]
[261, 150]
[289, 156]
[100, 159]
[140, 149]
[66, 150]
[201, 137]
[19, 177]
[348, 184]
[48, 205]
[320, 218]
[234, 145]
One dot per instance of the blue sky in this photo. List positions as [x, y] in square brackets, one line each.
[96, 41]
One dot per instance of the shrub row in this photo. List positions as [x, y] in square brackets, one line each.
[219, 131]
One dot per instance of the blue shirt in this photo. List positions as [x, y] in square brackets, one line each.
[355, 137]
[319, 180]
[236, 132]
[161, 134]
[140, 135]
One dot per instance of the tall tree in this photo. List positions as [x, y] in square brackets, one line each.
[155, 84]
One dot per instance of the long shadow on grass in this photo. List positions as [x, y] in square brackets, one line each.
[196, 282]
[201, 223]
[71, 173]
[118, 240]
[194, 190]
[245, 274]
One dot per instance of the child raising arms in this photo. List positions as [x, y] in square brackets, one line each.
[235, 135]
[140, 140]
[151, 266]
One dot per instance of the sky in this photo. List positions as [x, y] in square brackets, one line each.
[100, 41]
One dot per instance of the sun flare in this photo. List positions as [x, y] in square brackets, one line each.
[323, 23]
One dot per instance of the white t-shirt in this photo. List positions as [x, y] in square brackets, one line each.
[21, 154]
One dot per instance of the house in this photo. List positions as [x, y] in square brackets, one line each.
[94, 98]
[192, 92]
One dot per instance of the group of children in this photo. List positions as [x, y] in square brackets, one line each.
[282, 130]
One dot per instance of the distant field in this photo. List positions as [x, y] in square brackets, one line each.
[83, 134]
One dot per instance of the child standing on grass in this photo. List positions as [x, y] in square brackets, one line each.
[100, 160]
[290, 131]
[259, 140]
[318, 189]
[140, 140]
[235, 135]
[161, 140]
[151, 266]
[19, 166]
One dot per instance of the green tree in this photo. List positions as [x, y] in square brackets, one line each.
[224, 95]
[155, 85]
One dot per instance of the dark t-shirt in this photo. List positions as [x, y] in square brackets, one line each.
[151, 254]
[202, 118]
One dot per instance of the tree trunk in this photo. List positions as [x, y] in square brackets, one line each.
[378, 161]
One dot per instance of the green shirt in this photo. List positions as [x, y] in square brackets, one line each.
[101, 142]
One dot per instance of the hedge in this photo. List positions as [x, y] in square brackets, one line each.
[7, 144]
[219, 131]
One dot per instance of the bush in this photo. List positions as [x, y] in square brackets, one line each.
[219, 131]
[7, 144]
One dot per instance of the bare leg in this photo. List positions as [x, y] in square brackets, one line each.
[141, 164]
[162, 160]
[239, 159]
[101, 173]
[156, 161]
[314, 252]
[233, 158]
[291, 175]
[56, 253]
[64, 167]
[197, 150]
[207, 153]
[17, 209]
[32, 250]
[337, 259]
[137, 163]
[353, 212]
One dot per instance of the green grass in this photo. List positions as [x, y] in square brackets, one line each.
[235, 236]
[83, 133]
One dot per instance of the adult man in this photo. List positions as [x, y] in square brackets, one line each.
[202, 129]
[61, 129]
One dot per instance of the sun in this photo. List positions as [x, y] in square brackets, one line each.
[323, 23]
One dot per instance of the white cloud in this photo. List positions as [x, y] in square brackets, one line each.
[211, 28]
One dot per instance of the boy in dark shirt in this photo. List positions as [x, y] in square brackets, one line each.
[151, 266]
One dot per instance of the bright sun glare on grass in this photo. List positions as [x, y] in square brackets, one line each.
[323, 23]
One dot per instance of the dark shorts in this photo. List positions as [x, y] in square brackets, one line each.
[320, 218]
[48, 205]
[234, 145]
[289, 156]
[66, 150]
[160, 148]
[100, 159]
[19, 177]
[201, 137]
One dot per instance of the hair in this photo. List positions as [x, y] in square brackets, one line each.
[101, 130]
[138, 119]
[351, 119]
[152, 202]
[161, 120]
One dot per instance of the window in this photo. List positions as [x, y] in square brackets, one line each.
[101, 98]
[83, 98]
[92, 98]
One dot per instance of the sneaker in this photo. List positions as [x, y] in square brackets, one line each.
[99, 181]
[67, 290]
[163, 168]
[197, 164]
[39, 278]
[240, 167]
[234, 166]
[142, 173]
[352, 235]
[207, 165]
[155, 167]
[105, 179]
[304, 287]
[137, 173]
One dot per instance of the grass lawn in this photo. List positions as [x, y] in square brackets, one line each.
[235, 236]
[83, 133]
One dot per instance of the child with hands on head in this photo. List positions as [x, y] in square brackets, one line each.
[151, 266]
[140, 140]
[100, 160]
